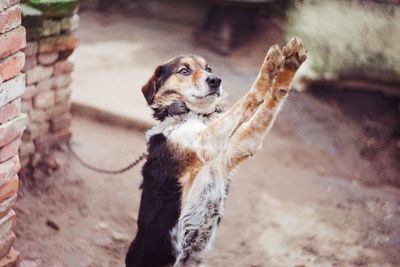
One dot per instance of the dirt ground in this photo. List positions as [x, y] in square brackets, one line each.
[321, 192]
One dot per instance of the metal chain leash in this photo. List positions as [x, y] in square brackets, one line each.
[99, 170]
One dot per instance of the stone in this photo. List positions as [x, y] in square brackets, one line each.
[6, 244]
[11, 89]
[10, 150]
[10, 110]
[9, 169]
[30, 91]
[7, 204]
[70, 24]
[44, 99]
[31, 49]
[50, 27]
[63, 67]
[62, 81]
[10, 18]
[47, 59]
[24, 161]
[56, 8]
[38, 74]
[11, 129]
[44, 143]
[31, 17]
[11, 259]
[37, 115]
[63, 94]
[11, 66]
[12, 41]
[7, 190]
[35, 130]
[63, 42]
[26, 105]
[30, 63]
[65, 54]
[60, 122]
[58, 109]
[45, 85]
[7, 3]
[26, 148]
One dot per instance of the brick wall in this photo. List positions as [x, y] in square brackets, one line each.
[12, 121]
[50, 27]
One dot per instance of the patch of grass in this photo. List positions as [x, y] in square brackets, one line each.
[346, 39]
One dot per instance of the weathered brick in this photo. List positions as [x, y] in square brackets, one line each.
[70, 23]
[8, 189]
[7, 204]
[26, 105]
[12, 41]
[31, 49]
[37, 115]
[38, 74]
[30, 63]
[63, 94]
[10, 149]
[10, 18]
[63, 67]
[12, 128]
[7, 3]
[9, 169]
[35, 130]
[11, 66]
[6, 243]
[60, 122]
[48, 58]
[26, 148]
[58, 43]
[11, 89]
[11, 259]
[44, 99]
[10, 110]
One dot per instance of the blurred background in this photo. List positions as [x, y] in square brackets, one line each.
[323, 190]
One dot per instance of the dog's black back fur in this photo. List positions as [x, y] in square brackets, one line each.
[159, 207]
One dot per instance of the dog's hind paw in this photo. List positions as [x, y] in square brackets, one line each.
[294, 53]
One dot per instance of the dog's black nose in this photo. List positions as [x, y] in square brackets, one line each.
[213, 81]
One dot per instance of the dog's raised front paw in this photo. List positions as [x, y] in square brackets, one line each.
[294, 53]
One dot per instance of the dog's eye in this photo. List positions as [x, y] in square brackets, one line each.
[208, 69]
[185, 71]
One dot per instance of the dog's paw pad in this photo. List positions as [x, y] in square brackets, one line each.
[294, 53]
[274, 61]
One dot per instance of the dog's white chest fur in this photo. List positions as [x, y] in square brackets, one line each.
[200, 214]
[202, 205]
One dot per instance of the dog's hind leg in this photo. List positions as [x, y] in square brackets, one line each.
[249, 136]
[215, 135]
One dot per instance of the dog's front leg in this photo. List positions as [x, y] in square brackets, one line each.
[214, 136]
[249, 136]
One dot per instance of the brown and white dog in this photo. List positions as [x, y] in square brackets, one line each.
[192, 153]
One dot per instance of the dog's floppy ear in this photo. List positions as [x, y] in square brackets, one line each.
[150, 88]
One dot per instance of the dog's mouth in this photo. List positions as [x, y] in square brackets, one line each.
[212, 93]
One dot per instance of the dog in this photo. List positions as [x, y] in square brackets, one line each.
[196, 147]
